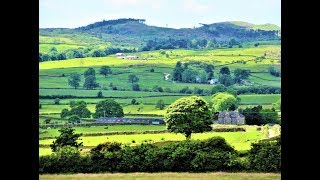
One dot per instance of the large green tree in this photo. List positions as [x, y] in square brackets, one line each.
[177, 72]
[189, 115]
[223, 102]
[89, 72]
[67, 137]
[225, 70]
[108, 108]
[74, 80]
[90, 82]
[105, 70]
[226, 80]
[133, 78]
[160, 104]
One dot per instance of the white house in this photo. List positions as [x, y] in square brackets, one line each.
[213, 81]
[119, 55]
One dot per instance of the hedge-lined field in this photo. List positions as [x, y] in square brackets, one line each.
[240, 140]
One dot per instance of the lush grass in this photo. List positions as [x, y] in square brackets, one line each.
[102, 129]
[259, 98]
[240, 140]
[167, 175]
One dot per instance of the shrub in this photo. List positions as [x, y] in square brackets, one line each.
[57, 101]
[265, 156]
[135, 87]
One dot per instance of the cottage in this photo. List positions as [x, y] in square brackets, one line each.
[120, 55]
[213, 81]
[231, 117]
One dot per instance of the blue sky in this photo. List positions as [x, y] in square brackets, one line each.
[171, 13]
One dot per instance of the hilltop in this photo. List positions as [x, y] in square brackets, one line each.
[136, 33]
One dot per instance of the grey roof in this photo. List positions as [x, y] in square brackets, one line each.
[231, 114]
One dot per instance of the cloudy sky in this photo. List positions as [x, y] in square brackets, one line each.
[171, 13]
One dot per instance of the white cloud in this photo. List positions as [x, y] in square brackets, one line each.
[195, 6]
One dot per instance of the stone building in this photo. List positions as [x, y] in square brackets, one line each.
[231, 117]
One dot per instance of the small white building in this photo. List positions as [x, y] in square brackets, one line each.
[213, 81]
[120, 55]
[132, 57]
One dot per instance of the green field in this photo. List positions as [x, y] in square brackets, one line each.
[166, 175]
[102, 129]
[239, 140]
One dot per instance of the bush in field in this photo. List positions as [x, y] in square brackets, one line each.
[225, 70]
[74, 119]
[226, 80]
[89, 72]
[151, 70]
[134, 102]
[218, 88]
[160, 104]
[133, 78]
[136, 87]
[90, 82]
[265, 156]
[64, 113]
[99, 94]
[74, 80]
[57, 101]
[108, 108]
[105, 70]
[189, 115]
[47, 121]
[223, 102]
[167, 90]
[67, 137]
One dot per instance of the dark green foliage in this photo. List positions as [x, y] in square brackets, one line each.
[108, 108]
[133, 78]
[189, 115]
[258, 116]
[225, 70]
[57, 101]
[136, 87]
[74, 80]
[134, 102]
[67, 137]
[157, 88]
[274, 72]
[256, 44]
[89, 72]
[64, 113]
[167, 90]
[226, 80]
[177, 72]
[233, 42]
[151, 70]
[78, 108]
[218, 88]
[99, 94]
[241, 74]
[160, 104]
[74, 119]
[105, 70]
[265, 156]
[259, 90]
[47, 121]
[90, 82]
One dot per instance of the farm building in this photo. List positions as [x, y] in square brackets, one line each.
[231, 117]
[115, 120]
[120, 55]
[213, 81]
[132, 57]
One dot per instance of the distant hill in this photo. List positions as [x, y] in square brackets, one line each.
[135, 33]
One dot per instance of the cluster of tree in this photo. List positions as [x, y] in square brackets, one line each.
[77, 108]
[226, 79]
[90, 81]
[213, 154]
[192, 75]
[190, 44]
[223, 101]
[274, 72]
[259, 116]
[259, 90]
[109, 23]
[160, 104]
[54, 55]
